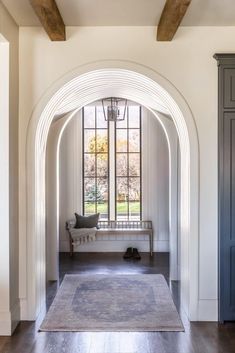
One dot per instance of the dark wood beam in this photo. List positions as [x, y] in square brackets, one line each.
[171, 17]
[50, 18]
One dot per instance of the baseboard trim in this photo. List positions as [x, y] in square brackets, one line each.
[9, 320]
[23, 309]
[15, 315]
[5, 323]
[208, 310]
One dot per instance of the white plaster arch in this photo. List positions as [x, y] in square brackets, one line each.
[52, 203]
[5, 270]
[172, 144]
[52, 184]
[89, 83]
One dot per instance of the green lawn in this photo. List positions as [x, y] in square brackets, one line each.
[121, 207]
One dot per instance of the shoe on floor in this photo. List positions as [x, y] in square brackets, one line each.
[128, 254]
[136, 254]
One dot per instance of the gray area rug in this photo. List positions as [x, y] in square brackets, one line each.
[113, 303]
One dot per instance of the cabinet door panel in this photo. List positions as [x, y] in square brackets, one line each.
[227, 220]
[229, 88]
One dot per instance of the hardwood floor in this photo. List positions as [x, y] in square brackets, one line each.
[198, 337]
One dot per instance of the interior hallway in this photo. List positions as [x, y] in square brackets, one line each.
[198, 337]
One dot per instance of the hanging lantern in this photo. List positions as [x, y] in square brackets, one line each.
[114, 108]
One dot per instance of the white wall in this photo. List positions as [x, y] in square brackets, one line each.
[155, 187]
[186, 62]
[70, 177]
[52, 197]
[174, 195]
[9, 263]
[155, 180]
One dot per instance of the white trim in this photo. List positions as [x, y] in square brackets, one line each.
[84, 85]
[15, 315]
[5, 323]
[23, 309]
[52, 203]
[207, 310]
[9, 320]
[5, 316]
[172, 141]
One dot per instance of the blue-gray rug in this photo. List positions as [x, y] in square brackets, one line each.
[113, 303]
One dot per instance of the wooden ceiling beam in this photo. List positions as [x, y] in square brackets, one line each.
[171, 17]
[50, 18]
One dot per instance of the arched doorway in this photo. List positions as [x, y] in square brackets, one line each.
[53, 221]
[87, 84]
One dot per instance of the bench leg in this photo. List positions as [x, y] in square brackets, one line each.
[151, 243]
[71, 248]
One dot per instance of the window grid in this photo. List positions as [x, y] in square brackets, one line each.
[116, 153]
[95, 153]
[128, 153]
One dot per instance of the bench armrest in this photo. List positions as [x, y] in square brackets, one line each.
[70, 224]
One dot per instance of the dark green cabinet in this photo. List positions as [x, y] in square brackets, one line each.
[226, 186]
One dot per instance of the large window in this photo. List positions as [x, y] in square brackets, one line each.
[128, 165]
[112, 164]
[95, 162]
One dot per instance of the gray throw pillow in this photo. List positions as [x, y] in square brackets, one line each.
[87, 221]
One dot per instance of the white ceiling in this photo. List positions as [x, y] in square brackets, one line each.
[126, 12]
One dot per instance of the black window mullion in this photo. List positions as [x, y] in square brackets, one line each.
[128, 172]
[108, 172]
[108, 163]
[115, 171]
[140, 156]
[95, 160]
[83, 163]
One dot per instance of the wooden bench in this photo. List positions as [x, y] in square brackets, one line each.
[118, 227]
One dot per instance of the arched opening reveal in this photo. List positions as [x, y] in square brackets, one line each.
[83, 86]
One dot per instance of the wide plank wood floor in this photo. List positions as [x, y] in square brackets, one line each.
[198, 337]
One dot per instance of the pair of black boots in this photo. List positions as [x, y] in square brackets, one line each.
[132, 253]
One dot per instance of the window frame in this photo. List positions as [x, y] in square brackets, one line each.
[127, 128]
[95, 153]
[128, 153]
